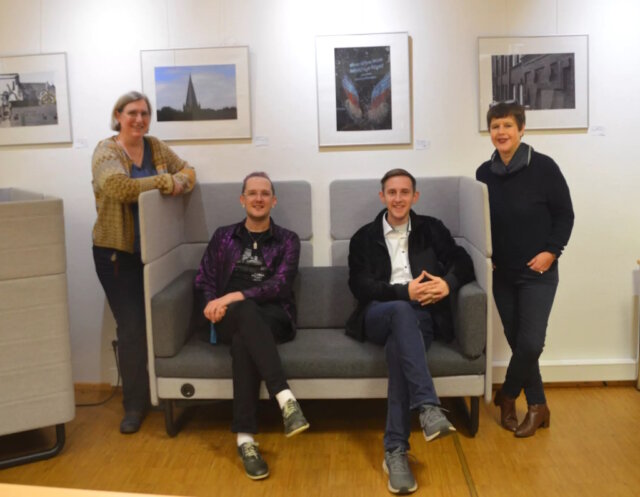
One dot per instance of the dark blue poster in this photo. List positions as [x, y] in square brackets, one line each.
[363, 88]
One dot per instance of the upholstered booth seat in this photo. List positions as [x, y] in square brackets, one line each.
[321, 348]
[322, 361]
[36, 389]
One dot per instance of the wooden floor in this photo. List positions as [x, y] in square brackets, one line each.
[591, 449]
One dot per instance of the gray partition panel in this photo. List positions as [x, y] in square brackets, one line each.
[18, 195]
[306, 254]
[211, 205]
[340, 253]
[353, 204]
[439, 197]
[356, 202]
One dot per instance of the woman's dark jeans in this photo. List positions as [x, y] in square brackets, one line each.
[120, 274]
[524, 300]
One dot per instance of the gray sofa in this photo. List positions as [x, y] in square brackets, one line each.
[322, 362]
[36, 388]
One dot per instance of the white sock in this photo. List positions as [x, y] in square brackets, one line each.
[244, 438]
[283, 396]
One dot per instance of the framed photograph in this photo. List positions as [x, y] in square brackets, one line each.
[199, 93]
[546, 74]
[34, 105]
[363, 89]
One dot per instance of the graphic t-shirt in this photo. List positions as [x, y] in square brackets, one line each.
[250, 269]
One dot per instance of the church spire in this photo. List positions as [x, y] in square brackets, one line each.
[191, 104]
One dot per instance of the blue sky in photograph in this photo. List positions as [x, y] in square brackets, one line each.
[215, 85]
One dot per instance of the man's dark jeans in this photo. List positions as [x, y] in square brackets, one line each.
[253, 330]
[406, 331]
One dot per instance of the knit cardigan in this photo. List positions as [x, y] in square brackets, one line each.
[115, 190]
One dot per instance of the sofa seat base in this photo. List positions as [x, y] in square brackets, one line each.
[315, 388]
[315, 353]
[318, 364]
[177, 391]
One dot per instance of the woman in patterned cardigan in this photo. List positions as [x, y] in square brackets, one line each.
[123, 166]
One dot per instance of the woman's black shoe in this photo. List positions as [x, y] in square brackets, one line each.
[131, 422]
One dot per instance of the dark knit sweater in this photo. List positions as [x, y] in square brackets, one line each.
[531, 211]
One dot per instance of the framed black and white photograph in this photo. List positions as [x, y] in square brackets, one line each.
[548, 75]
[363, 89]
[34, 105]
[200, 93]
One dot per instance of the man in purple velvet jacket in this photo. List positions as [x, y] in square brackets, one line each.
[246, 276]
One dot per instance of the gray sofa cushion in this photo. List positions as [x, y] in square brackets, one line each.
[314, 354]
[172, 312]
[470, 319]
[323, 297]
[321, 349]
[197, 359]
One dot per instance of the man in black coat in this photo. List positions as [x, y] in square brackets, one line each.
[402, 268]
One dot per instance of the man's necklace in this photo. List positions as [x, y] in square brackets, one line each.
[256, 240]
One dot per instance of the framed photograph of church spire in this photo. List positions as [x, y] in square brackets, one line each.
[198, 93]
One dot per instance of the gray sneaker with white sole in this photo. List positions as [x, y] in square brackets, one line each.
[396, 465]
[434, 423]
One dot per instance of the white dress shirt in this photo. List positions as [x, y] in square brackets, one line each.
[397, 240]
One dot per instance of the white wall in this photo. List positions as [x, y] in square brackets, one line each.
[590, 334]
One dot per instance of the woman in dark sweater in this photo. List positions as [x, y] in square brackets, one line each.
[531, 221]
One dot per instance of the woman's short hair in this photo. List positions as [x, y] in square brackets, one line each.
[257, 174]
[122, 102]
[506, 109]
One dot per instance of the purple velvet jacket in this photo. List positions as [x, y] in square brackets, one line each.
[281, 252]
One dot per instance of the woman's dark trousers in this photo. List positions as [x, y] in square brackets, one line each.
[120, 274]
[524, 300]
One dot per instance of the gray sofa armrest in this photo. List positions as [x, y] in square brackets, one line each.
[172, 315]
[161, 224]
[470, 319]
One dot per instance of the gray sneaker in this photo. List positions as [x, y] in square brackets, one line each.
[434, 423]
[254, 466]
[294, 420]
[396, 465]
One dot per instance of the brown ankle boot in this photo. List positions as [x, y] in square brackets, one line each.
[507, 405]
[538, 415]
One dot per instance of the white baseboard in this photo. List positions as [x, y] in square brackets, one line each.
[112, 375]
[579, 370]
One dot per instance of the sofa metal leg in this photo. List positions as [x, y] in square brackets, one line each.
[474, 416]
[39, 455]
[472, 413]
[169, 423]
[173, 424]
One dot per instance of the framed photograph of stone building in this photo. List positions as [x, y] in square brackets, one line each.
[198, 94]
[546, 74]
[363, 89]
[34, 100]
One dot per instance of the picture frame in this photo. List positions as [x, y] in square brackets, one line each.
[546, 74]
[34, 99]
[363, 85]
[198, 93]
